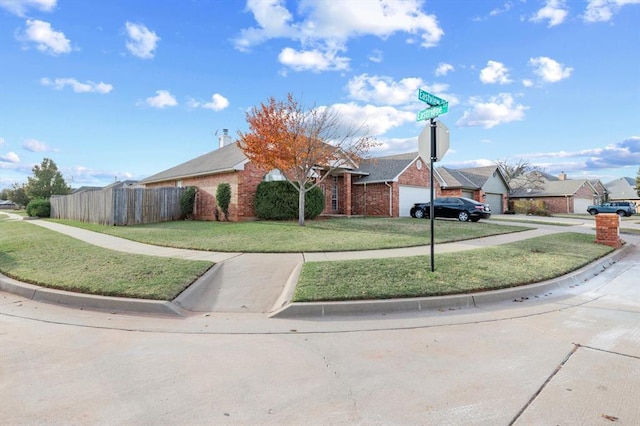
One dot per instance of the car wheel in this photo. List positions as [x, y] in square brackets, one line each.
[593, 212]
[463, 216]
[621, 213]
[419, 214]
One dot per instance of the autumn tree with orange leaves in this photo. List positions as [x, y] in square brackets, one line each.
[305, 144]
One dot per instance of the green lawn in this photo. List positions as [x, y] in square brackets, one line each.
[317, 236]
[39, 256]
[508, 265]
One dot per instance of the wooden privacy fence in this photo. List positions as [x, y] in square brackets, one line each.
[119, 206]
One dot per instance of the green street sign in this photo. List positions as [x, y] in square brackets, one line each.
[429, 98]
[433, 112]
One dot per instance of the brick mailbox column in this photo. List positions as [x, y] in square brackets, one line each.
[608, 230]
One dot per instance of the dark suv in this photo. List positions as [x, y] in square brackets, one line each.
[460, 208]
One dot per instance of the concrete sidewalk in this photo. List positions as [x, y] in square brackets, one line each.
[254, 283]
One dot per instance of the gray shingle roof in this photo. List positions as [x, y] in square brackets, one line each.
[622, 189]
[553, 188]
[384, 169]
[471, 178]
[227, 158]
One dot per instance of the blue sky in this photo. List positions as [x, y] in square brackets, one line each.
[124, 89]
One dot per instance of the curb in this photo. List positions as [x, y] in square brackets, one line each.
[88, 301]
[324, 309]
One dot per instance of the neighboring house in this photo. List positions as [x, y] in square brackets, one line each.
[389, 186]
[386, 186]
[623, 189]
[8, 205]
[483, 184]
[562, 195]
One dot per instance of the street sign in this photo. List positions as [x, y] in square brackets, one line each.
[433, 112]
[429, 98]
[442, 142]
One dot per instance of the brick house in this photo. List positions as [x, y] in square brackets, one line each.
[390, 185]
[483, 184]
[562, 195]
[386, 186]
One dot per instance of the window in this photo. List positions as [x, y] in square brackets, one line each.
[179, 184]
[274, 175]
[334, 194]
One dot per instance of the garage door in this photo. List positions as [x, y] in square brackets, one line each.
[580, 204]
[409, 195]
[495, 201]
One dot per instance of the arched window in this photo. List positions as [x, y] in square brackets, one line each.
[274, 175]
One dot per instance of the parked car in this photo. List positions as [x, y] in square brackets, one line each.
[461, 208]
[621, 208]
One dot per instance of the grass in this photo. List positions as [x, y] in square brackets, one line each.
[39, 256]
[287, 237]
[532, 221]
[509, 265]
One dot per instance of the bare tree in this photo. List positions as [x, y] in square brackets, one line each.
[521, 175]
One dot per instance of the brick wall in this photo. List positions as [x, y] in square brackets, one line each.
[373, 199]
[608, 230]
[243, 190]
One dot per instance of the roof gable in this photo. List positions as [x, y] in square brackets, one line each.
[384, 169]
[225, 159]
[622, 188]
[469, 178]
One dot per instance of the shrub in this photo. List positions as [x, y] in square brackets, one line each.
[223, 198]
[187, 202]
[39, 207]
[278, 200]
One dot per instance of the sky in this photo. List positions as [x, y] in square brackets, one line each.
[123, 89]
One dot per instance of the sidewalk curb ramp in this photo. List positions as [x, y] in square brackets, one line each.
[283, 309]
[366, 307]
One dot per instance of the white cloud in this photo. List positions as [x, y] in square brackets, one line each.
[47, 40]
[376, 56]
[142, 41]
[34, 145]
[313, 60]
[383, 90]
[555, 11]
[218, 103]
[549, 70]
[324, 27]
[162, 99]
[495, 72]
[10, 157]
[78, 87]
[443, 69]
[499, 109]
[527, 83]
[603, 10]
[21, 7]
[621, 154]
[377, 120]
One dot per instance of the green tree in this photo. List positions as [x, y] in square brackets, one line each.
[46, 181]
[5, 194]
[18, 194]
[223, 198]
[638, 182]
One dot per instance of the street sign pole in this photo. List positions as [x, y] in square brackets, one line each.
[431, 206]
[437, 106]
